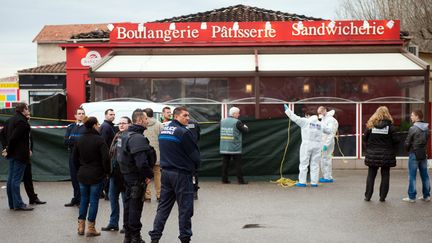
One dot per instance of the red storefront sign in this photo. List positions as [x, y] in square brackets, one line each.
[255, 32]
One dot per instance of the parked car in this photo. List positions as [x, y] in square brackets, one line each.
[121, 107]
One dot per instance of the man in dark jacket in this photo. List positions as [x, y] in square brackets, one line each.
[180, 158]
[107, 131]
[415, 144]
[28, 177]
[17, 135]
[137, 172]
[73, 132]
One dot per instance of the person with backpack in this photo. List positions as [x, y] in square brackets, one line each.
[415, 144]
[116, 187]
[136, 161]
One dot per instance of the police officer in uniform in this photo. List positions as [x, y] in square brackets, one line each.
[180, 158]
[135, 165]
[73, 132]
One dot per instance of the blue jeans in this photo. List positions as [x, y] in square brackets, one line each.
[90, 195]
[114, 201]
[15, 175]
[413, 164]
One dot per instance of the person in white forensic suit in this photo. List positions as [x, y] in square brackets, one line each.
[311, 146]
[328, 120]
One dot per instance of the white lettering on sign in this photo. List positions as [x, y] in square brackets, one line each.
[225, 32]
[351, 29]
[165, 35]
[91, 58]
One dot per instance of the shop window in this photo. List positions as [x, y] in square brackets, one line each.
[37, 96]
[351, 88]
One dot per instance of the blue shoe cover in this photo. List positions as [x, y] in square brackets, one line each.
[314, 185]
[300, 185]
[323, 180]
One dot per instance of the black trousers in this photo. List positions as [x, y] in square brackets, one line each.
[28, 183]
[370, 182]
[133, 204]
[176, 187]
[74, 179]
[225, 165]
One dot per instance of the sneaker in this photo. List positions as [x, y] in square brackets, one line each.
[298, 184]
[407, 199]
[426, 199]
[323, 180]
[314, 185]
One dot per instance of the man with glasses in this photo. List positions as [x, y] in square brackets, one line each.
[116, 186]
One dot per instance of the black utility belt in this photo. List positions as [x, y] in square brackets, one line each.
[177, 170]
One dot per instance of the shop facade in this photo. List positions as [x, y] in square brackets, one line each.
[350, 66]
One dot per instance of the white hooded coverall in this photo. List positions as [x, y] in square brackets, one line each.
[311, 146]
[329, 141]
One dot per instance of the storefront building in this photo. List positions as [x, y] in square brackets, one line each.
[350, 66]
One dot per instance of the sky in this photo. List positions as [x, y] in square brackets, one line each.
[21, 20]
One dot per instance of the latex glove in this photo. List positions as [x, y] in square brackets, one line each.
[325, 148]
[286, 107]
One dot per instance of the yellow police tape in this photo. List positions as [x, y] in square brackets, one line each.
[282, 181]
[340, 150]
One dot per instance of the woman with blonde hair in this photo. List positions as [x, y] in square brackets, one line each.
[380, 142]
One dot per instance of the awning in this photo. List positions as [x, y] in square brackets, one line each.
[173, 65]
[265, 64]
[346, 64]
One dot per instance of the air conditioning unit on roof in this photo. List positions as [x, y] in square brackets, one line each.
[414, 50]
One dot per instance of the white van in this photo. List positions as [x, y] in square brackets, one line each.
[121, 107]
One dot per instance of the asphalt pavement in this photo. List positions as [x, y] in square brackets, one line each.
[257, 212]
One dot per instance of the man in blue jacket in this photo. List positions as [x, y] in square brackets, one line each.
[73, 132]
[180, 158]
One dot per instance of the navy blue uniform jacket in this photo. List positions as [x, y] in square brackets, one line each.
[178, 149]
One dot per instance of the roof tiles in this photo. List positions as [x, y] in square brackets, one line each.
[59, 67]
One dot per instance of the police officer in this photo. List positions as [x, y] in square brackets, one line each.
[73, 132]
[135, 166]
[231, 144]
[180, 158]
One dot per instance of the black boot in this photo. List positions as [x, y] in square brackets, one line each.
[137, 239]
[155, 241]
[127, 239]
[36, 200]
